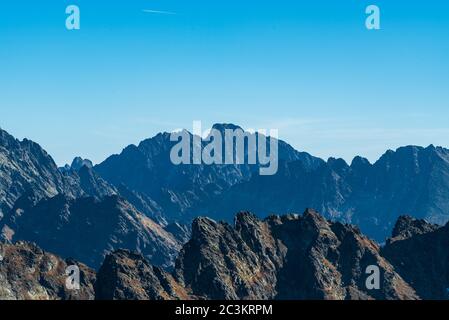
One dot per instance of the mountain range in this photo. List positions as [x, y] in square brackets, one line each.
[138, 210]
[411, 180]
[281, 257]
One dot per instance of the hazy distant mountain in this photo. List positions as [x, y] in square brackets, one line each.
[87, 228]
[75, 213]
[181, 190]
[25, 166]
[410, 180]
[77, 164]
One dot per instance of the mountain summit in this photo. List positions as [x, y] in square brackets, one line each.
[180, 190]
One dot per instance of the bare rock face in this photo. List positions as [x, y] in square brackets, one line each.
[25, 166]
[129, 276]
[79, 162]
[28, 273]
[222, 262]
[421, 257]
[407, 227]
[289, 257]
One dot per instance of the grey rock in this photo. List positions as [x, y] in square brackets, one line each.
[28, 273]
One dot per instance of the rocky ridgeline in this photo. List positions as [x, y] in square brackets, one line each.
[411, 180]
[419, 252]
[28, 273]
[281, 257]
[73, 212]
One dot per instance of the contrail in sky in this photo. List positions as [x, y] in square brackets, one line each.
[158, 11]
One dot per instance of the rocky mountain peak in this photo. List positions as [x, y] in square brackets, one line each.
[92, 184]
[418, 251]
[7, 140]
[407, 227]
[29, 273]
[360, 163]
[225, 126]
[245, 218]
[312, 216]
[79, 162]
[26, 166]
[129, 276]
[337, 164]
[254, 259]
[280, 257]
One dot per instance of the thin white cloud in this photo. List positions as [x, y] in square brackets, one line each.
[158, 12]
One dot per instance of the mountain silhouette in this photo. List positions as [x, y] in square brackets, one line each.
[409, 181]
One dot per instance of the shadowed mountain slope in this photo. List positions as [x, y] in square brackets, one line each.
[289, 257]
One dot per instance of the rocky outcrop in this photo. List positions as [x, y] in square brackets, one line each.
[28, 273]
[76, 165]
[25, 167]
[419, 253]
[79, 162]
[290, 257]
[282, 257]
[129, 276]
[407, 227]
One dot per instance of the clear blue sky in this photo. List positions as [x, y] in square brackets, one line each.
[309, 68]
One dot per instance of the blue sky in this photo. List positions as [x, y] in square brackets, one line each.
[308, 68]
